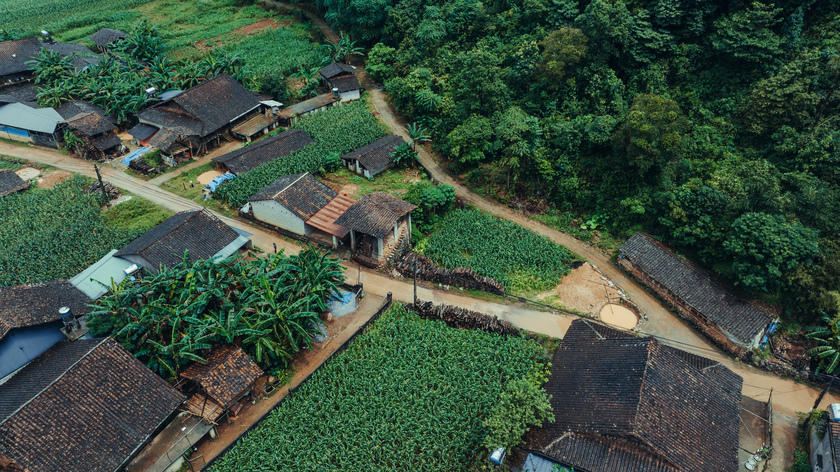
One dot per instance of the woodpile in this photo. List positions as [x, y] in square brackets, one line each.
[366, 261]
[112, 191]
[463, 318]
[141, 166]
[459, 277]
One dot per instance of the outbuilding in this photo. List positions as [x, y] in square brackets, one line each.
[380, 226]
[39, 126]
[96, 136]
[287, 116]
[374, 158]
[341, 79]
[290, 201]
[275, 147]
[106, 38]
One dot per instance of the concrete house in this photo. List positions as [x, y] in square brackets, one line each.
[374, 158]
[99, 141]
[623, 403]
[696, 294]
[31, 321]
[198, 232]
[825, 444]
[39, 126]
[262, 152]
[11, 183]
[341, 79]
[81, 405]
[379, 224]
[290, 201]
[287, 116]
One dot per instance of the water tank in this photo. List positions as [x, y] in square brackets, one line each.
[66, 314]
[834, 412]
[498, 456]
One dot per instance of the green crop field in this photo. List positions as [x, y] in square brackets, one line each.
[280, 51]
[519, 259]
[337, 130]
[49, 234]
[409, 394]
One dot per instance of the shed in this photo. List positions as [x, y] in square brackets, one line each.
[198, 232]
[72, 108]
[31, 125]
[106, 37]
[374, 158]
[336, 69]
[11, 183]
[378, 224]
[623, 403]
[95, 280]
[264, 151]
[228, 375]
[698, 296]
[290, 201]
[82, 405]
[289, 115]
[324, 219]
[14, 56]
[98, 139]
[141, 133]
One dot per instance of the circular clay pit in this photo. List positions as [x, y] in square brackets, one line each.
[618, 315]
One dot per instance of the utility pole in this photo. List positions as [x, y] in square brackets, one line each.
[414, 271]
[102, 186]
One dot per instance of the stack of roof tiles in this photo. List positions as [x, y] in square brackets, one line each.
[375, 214]
[11, 182]
[376, 156]
[261, 152]
[302, 194]
[228, 373]
[623, 403]
[34, 304]
[697, 288]
[81, 406]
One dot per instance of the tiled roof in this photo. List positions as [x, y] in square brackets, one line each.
[142, 131]
[227, 373]
[307, 106]
[197, 231]
[34, 304]
[606, 384]
[106, 36]
[89, 124]
[72, 108]
[15, 54]
[266, 150]
[335, 69]
[106, 141]
[345, 83]
[376, 156]
[11, 182]
[375, 214]
[203, 109]
[81, 406]
[163, 139]
[697, 288]
[325, 218]
[302, 194]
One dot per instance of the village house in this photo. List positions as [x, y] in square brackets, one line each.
[106, 38]
[380, 227]
[250, 157]
[31, 320]
[825, 442]
[81, 406]
[623, 403]
[374, 158]
[96, 135]
[72, 108]
[199, 233]
[696, 294]
[303, 206]
[341, 78]
[23, 123]
[191, 122]
[287, 116]
[16, 54]
[220, 384]
[11, 183]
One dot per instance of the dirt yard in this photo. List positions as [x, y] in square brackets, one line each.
[584, 290]
[50, 179]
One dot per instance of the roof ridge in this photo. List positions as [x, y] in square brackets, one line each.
[287, 186]
[27, 402]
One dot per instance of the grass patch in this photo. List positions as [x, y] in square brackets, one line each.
[185, 185]
[265, 58]
[7, 162]
[393, 181]
[571, 224]
[408, 394]
[137, 213]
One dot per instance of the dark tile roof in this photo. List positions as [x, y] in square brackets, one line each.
[163, 139]
[336, 69]
[72, 108]
[83, 56]
[34, 304]
[607, 384]
[81, 406]
[302, 194]
[106, 36]
[8, 98]
[142, 131]
[106, 141]
[376, 156]
[197, 231]
[345, 83]
[375, 214]
[203, 109]
[11, 182]
[227, 373]
[697, 288]
[89, 124]
[15, 54]
[266, 150]
[307, 106]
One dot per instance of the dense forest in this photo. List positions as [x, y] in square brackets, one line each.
[712, 124]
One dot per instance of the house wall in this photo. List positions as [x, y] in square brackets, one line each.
[686, 312]
[350, 95]
[15, 134]
[275, 214]
[821, 450]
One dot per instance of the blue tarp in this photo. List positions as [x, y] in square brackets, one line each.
[135, 154]
[218, 180]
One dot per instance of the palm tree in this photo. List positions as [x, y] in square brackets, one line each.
[828, 338]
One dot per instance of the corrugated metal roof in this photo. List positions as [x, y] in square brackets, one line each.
[231, 248]
[18, 115]
[538, 464]
[326, 216]
[103, 270]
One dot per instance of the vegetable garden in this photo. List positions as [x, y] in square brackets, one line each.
[408, 394]
[335, 131]
[49, 234]
[519, 259]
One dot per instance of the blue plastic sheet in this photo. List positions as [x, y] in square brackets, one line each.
[218, 181]
[135, 154]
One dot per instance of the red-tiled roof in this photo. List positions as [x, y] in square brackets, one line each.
[325, 218]
[227, 373]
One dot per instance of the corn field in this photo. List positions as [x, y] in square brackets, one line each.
[337, 130]
[409, 394]
[519, 259]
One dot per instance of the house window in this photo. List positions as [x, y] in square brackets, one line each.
[819, 461]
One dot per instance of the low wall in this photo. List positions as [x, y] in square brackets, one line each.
[458, 277]
[463, 318]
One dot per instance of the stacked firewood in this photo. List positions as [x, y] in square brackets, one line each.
[463, 318]
[113, 192]
[141, 166]
[366, 261]
[459, 277]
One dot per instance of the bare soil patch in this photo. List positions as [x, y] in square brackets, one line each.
[257, 27]
[350, 190]
[584, 290]
[50, 179]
